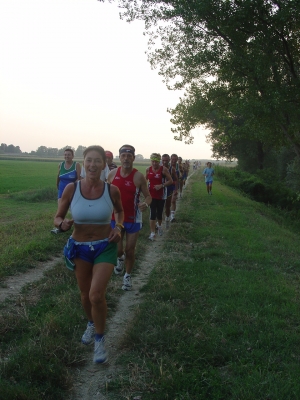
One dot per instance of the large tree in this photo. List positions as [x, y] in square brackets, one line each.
[236, 58]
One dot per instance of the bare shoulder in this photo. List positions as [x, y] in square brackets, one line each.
[111, 175]
[114, 190]
[139, 178]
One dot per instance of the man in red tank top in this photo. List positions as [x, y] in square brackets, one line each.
[131, 183]
[159, 178]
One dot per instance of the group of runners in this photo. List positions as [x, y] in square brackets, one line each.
[106, 206]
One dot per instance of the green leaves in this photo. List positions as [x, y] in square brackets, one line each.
[239, 59]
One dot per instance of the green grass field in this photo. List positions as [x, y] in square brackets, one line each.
[219, 317]
[20, 175]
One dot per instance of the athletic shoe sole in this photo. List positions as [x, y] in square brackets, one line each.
[126, 288]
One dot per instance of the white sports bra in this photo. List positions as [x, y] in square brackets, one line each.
[97, 211]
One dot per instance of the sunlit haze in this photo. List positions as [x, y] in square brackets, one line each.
[73, 73]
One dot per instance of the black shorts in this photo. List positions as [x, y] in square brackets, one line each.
[156, 209]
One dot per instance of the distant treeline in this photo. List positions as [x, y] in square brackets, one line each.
[49, 152]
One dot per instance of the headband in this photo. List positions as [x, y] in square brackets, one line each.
[155, 157]
[124, 150]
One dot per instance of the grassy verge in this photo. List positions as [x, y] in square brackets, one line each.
[26, 220]
[220, 317]
[41, 331]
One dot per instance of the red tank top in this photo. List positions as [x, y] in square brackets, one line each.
[156, 178]
[130, 196]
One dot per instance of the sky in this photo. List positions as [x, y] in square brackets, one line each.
[73, 73]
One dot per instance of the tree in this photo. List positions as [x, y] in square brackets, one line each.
[61, 151]
[52, 152]
[79, 151]
[239, 58]
[42, 151]
[3, 147]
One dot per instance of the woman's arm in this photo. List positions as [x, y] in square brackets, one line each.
[63, 207]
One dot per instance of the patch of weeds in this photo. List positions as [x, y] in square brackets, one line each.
[35, 196]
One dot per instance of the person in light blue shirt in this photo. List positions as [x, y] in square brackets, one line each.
[208, 173]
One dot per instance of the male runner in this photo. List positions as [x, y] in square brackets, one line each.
[109, 160]
[174, 165]
[170, 189]
[131, 183]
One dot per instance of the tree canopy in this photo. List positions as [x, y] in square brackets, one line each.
[237, 60]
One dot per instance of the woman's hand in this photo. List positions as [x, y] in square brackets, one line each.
[66, 224]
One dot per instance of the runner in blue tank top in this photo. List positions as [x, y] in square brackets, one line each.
[68, 172]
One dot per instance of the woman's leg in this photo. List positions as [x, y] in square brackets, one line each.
[84, 274]
[101, 275]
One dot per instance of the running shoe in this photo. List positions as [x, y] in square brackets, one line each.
[172, 218]
[119, 268]
[127, 285]
[100, 353]
[55, 231]
[89, 335]
[152, 236]
[160, 231]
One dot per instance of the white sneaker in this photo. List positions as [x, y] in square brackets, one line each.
[167, 222]
[127, 285]
[160, 231]
[100, 354]
[152, 236]
[55, 231]
[119, 268]
[89, 335]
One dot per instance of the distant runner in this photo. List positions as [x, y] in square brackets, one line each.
[170, 189]
[109, 160]
[159, 179]
[68, 172]
[209, 173]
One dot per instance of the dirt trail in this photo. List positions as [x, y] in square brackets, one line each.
[92, 379]
[14, 284]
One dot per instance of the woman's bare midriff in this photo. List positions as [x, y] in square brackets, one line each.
[90, 232]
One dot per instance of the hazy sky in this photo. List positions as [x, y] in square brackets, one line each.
[73, 73]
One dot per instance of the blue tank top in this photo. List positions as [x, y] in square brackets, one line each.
[96, 211]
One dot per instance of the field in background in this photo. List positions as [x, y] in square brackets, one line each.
[16, 176]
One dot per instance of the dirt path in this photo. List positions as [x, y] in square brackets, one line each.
[91, 380]
[14, 284]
